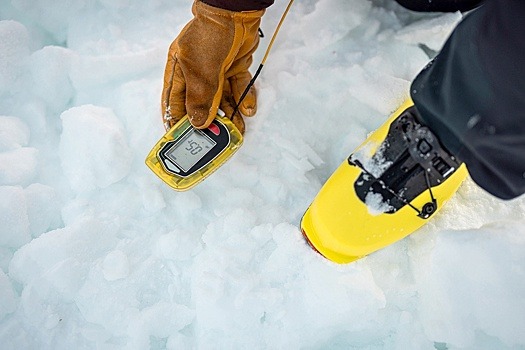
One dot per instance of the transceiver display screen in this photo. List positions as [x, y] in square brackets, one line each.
[190, 149]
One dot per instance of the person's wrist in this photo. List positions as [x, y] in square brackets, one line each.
[235, 6]
[204, 8]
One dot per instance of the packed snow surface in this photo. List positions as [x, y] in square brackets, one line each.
[97, 253]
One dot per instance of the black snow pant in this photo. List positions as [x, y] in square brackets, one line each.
[439, 5]
[472, 95]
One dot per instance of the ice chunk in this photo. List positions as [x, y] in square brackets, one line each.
[14, 227]
[43, 208]
[89, 72]
[178, 245]
[7, 296]
[318, 32]
[56, 252]
[14, 133]
[115, 266]
[164, 318]
[50, 69]
[93, 148]
[6, 255]
[14, 44]
[18, 166]
[473, 281]
[52, 17]
[431, 32]
[378, 90]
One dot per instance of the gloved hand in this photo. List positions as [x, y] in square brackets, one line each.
[208, 65]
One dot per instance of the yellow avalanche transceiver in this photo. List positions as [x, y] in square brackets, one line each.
[185, 156]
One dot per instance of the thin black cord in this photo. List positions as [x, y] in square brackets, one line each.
[246, 90]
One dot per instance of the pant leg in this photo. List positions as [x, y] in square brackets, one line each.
[439, 5]
[472, 95]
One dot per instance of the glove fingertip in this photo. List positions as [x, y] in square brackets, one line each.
[200, 119]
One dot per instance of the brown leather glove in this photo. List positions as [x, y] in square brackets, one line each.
[208, 65]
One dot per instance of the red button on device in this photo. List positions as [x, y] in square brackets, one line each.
[214, 129]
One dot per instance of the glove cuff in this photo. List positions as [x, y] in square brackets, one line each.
[239, 5]
[207, 9]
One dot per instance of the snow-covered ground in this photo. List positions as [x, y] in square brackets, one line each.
[97, 253]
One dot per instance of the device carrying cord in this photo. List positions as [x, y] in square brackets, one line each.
[263, 61]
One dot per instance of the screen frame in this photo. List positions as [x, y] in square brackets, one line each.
[220, 134]
[193, 159]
